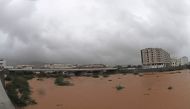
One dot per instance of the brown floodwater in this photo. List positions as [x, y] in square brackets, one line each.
[141, 92]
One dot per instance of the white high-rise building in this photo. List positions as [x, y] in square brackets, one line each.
[3, 63]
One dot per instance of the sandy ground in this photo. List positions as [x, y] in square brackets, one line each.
[146, 92]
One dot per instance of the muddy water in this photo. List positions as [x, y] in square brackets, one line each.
[146, 92]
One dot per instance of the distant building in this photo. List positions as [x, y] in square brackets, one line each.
[175, 62]
[184, 60]
[3, 63]
[155, 58]
[9, 67]
[92, 66]
[181, 61]
[27, 67]
[58, 66]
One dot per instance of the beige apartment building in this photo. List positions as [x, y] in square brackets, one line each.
[155, 58]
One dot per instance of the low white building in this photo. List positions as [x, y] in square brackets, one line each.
[154, 66]
[58, 66]
[93, 66]
[175, 62]
[181, 61]
[28, 67]
[184, 60]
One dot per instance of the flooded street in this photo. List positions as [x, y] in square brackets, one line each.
[141, 92]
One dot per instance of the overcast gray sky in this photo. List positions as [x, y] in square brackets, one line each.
[91, 31]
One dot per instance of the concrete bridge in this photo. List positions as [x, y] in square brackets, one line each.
[5, 102]
[68, 70]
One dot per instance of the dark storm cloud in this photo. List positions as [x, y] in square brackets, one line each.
[91, 31]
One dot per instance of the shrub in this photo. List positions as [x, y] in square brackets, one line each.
[105, 75]
[95, 75]
[61, 82]
[19, 92]
[119, 87]
[170, 88]
[8, 78]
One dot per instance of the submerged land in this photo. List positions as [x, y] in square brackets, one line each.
[152, 90]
